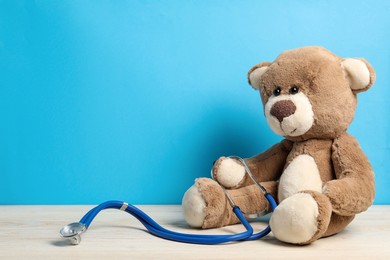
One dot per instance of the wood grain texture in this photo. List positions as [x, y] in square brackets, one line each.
[31, 232]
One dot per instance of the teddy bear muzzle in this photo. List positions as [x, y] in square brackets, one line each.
[289, 115]
[282, 109]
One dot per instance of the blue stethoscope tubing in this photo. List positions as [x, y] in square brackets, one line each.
[154, 228]
[74, 230]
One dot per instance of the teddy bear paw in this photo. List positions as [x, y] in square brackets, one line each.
[194, 206]
[295, 219]
[228, 172]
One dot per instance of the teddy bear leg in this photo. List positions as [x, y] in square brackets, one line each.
[205, 204]
[302, 218]
[337, 224]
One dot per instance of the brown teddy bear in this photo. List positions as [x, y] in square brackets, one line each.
[318, 173]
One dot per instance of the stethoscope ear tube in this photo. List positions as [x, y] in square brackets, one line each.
[267, 230]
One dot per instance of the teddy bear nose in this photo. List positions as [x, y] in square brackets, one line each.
[282, 109]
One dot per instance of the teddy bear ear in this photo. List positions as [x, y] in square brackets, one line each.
[255, 73]
[360, 74]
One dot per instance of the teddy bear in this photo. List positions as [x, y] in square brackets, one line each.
[318, 172]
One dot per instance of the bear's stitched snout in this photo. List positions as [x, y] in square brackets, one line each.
[282, 109]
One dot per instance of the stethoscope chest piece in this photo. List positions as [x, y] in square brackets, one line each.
[73, 232]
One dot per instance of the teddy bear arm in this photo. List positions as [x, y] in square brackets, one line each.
[353, 191]
[269, 165]
[266, 166]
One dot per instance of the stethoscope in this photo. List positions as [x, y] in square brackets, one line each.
[73, 231]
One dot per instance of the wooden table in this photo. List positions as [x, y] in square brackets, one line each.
[31, 232]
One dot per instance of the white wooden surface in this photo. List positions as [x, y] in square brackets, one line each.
[31, 232]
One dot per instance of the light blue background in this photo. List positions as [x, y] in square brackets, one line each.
[132, 100]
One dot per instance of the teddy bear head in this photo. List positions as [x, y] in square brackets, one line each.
[310, 92]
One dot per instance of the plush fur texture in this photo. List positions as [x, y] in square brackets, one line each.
[301, 174]
[319, 172]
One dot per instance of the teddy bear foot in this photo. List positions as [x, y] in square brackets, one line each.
[301, 218]
[194, 206]
[205, 205]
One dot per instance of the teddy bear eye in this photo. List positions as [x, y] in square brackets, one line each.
[294, 90]
[276, 91]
